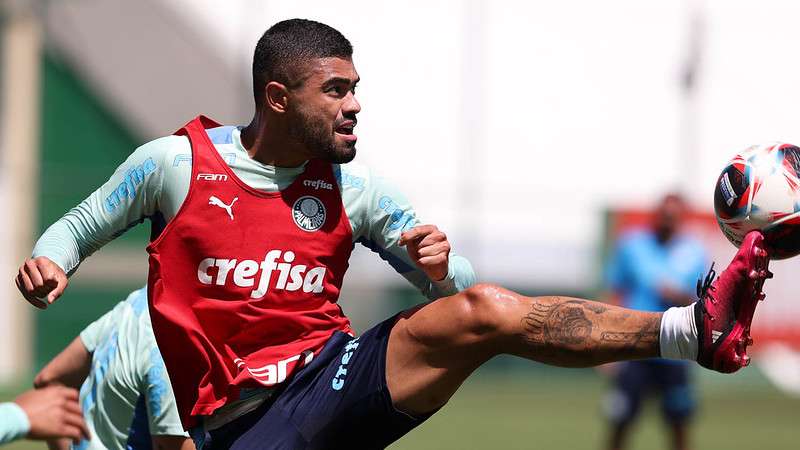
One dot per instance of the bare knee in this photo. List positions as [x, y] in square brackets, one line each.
[483, 309]
[474, 315]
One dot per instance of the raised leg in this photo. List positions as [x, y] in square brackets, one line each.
[433, 348]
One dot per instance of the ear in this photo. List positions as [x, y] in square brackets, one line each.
[277, 97]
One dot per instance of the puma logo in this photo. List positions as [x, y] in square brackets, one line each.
[217, 202]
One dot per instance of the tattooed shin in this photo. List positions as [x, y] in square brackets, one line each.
[555, 327]
[558, 323]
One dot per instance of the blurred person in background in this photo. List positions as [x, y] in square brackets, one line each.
[48, 413]
[653, 269]
[125, 394]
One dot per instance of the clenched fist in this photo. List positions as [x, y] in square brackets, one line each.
[41, 281]
[429, 249]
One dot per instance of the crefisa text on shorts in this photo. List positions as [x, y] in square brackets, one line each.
[338, 380]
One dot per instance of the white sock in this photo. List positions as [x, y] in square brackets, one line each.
[678, 336]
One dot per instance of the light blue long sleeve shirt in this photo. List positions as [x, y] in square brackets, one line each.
[14, 423]
[154, 181]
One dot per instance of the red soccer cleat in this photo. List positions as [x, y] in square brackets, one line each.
[725, 310]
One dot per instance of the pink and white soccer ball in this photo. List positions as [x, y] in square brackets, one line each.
[759, 189]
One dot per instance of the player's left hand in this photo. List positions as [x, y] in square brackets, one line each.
[429, 249]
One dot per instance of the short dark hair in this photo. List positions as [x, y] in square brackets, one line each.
[286, 46]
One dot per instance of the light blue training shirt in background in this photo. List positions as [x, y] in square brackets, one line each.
[127, 397]
[640, 265]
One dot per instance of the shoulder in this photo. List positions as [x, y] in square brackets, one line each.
[378, 195]
[167, 151]
[127, 319]
[352, 176]
[166, 144]
[159, 154]
[359, 177]
[137, 300]
[103, 327]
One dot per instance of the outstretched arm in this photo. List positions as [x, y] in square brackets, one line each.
[130, 195]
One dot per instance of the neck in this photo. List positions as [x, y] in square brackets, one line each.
[266, 142]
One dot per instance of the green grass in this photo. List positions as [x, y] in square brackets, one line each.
[562, 410]
[507, 407]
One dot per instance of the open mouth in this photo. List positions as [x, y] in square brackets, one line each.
[346, 128]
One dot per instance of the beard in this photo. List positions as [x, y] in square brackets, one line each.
[319, 138]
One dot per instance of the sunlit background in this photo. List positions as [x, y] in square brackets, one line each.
[521, 128]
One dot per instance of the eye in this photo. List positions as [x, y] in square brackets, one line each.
[339, 91]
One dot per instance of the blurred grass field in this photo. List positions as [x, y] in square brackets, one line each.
[561, 409]
[510, 406]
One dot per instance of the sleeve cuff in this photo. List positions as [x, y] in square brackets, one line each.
[447, 285]
[15, 424]
[60, 261]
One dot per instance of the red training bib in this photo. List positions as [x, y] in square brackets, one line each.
[243, 284]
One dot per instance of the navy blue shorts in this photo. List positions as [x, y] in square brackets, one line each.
[637, 379]
[338, 401]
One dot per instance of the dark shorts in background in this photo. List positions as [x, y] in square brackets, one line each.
[339, 401]
[635, 380]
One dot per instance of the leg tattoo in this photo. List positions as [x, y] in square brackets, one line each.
[565, 322]
[576, 332]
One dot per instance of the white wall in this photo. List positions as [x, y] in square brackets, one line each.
[514, 124]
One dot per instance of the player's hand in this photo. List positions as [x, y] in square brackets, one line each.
[53, 412]
[41, 281]
[429, 249]
[675, 296]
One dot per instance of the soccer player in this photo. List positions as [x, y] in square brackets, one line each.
[125, 395]
[49, 413]
[653, 269]
[252, 230]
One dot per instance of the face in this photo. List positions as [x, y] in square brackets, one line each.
[322, 112]
[669, 215]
